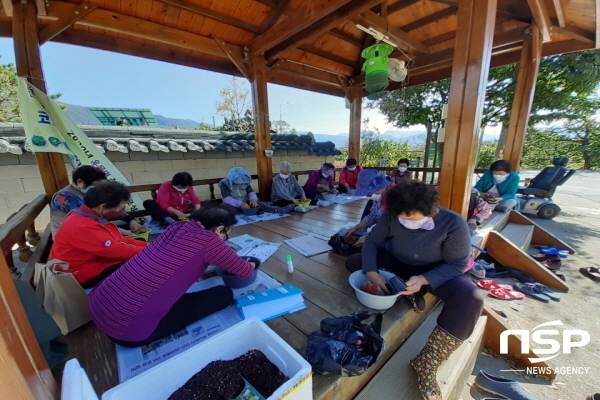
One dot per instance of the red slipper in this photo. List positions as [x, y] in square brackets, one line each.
[490, 284]
[504, 294]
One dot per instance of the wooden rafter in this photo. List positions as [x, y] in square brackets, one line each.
[344, 85]
[339, 16]
[445, 13]
[214, 15]
[560, 16]
[400, 5]
[324, 54]
[502, 12]
[302, 70]
[575, 33]
[275, 15]
[542, 18]
[40, 6]
[371, 20]
[65, 21]
[236, 55]
[7, 6]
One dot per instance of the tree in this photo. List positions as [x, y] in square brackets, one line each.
[9, 94]
[235, 107]
[283, 127]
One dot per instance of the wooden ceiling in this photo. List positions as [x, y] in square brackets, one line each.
[309, 44]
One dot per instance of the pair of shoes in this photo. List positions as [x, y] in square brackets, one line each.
[300, 209]
[438, 348]
[502, 387]
[591, 272]
[506, 294]
[537, 291]
[554, 251]
[490, 284]
[323, 203]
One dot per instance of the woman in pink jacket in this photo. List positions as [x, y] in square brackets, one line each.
[174, 198]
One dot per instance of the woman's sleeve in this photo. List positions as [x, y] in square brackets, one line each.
[299, 190]
[375, 240]
[66, 202]
[456, 249]
[510, 190]
[226, 195]
[100, 242]
[194, 197]
[480, 182]
[343, 177]
[251, 194]
[162, 197]
[312, 181]
[221, 255]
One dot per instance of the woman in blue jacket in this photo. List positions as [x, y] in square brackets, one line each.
[499, 185]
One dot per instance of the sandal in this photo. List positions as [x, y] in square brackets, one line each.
[504, 294]
[490, 284]
[592, 272]
[531, 290]
[544, 290]
[554, 251]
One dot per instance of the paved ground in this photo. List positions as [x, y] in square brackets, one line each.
[578, 225]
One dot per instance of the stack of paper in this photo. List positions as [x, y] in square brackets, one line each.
[271, 303]
[308, 246]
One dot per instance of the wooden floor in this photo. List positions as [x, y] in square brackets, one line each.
[324, 280]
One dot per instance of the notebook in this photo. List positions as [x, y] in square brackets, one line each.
[308, 246]
[271, 303]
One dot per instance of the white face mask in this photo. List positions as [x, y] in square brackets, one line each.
[351, 168]
[324, 175]
[84, 191]
[180, 190]
[500, 178]
[283, 176]
[402, 169]
[424, 223]
[376, 197]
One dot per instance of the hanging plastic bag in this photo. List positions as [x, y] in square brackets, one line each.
[346, 346]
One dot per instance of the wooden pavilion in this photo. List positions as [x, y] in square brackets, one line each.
[309, 44]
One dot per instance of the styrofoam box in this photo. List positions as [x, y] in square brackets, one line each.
[161, 381]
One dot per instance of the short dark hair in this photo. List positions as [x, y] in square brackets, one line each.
[328, 165]
[351, 161]
[182, 179]
[88, 174]
[213, 217]
[413, 196]
[111, 193]
[403, 161]
[501, 165]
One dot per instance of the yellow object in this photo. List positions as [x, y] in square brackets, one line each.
[144, 236]
[305, 204]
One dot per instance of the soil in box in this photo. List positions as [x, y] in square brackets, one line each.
[221, 380]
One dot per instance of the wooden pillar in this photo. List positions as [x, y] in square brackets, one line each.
[262, 125]
[472, 54]
[27, 54]
[355, 121]
[529, 66]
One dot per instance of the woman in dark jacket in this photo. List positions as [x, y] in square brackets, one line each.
[429, 247]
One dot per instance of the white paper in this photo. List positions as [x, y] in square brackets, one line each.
[250, 219]
[253, 247]
[132, 361]
[308, 245]
[345, 199]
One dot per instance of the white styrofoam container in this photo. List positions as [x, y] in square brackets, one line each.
[161, 381]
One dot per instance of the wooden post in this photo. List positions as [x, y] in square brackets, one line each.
[470, 68]
[262, 125]
[529, 66]
[355, 115]
[27, 54]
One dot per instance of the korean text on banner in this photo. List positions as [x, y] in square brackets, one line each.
[48, 129]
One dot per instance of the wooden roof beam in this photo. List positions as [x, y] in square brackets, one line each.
[7, 6]
[65, 21]
[504, 13]
[542, 18]
[400, 5]
[235, 55]
[276, 14]
[324, 54]
[445, 13]
[575, 33]
[403, 40]
[339, 16]
[306, 71]
[560, 16]
[281, 78]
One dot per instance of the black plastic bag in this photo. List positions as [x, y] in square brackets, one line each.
[346, 346]
[340, 245]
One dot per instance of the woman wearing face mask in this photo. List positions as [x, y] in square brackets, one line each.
[320, 181]
[174, 198]
[146, 299]
[71, 197]
[237, 192]
[286, 192]
[499, 185]
[370, 183]
[402, 174]
[349, 176]
[87, 240]
[429, 247]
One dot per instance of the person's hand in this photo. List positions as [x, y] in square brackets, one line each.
[349, 232]
[347, 186]
[252, 265]
[413, 285]
[125, 232]
[333, 191]
[378, 280]
[498, 199]
[472, 222]
[180, 215]
[360, 241]
[244, 206]
[253, 203]
[303, 198]
[323, 187]
[135, 227]
[295, 201]
[197, 206]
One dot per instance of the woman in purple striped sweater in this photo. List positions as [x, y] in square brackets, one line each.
[145, 299]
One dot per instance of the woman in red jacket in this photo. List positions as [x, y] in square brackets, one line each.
[174, 198]
[89, 242]
[349, 176]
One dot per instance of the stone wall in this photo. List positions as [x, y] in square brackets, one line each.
[20, 180]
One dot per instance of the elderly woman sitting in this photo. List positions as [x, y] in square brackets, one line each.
[237, 192]
[287, 192]
[89, 242]
[499, 185]
[320, 181]
[429, 247]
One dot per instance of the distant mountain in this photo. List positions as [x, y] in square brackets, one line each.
[166, 122]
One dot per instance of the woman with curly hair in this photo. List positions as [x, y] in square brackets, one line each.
[428, 246]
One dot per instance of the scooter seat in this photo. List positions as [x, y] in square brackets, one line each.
[534, 192]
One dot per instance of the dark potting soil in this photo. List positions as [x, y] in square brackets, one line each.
[222, 380]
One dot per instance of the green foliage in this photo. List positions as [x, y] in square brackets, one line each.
[235, 107]
[542, 146]
[283, 127]
[9, 94]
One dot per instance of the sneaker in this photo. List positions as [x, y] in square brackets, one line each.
[300, 209]
[323, 203]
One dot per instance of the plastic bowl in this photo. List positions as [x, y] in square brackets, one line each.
[233, 281]
[350, 192]
[358, 278]
[251, 211]
[305, 204]
[328, 196]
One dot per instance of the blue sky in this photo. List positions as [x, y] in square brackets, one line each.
[97, 78]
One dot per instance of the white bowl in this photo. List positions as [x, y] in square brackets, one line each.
[328, 196]
[358, 278]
